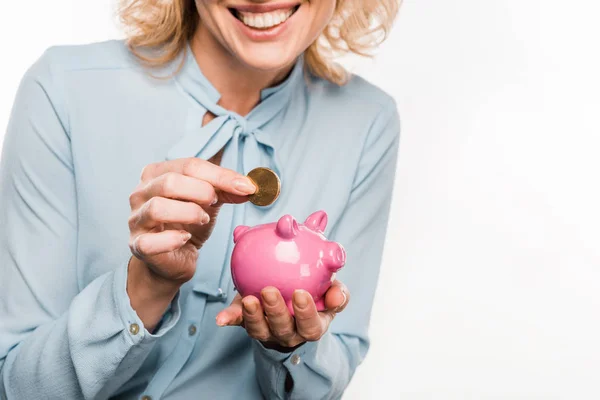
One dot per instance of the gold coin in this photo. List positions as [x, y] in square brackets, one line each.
[267, 185]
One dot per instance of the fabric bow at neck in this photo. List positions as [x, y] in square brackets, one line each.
[248, 142]
[250, 146]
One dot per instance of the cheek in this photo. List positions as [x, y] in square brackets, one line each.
[208, 11]
[324, 11]
[212, 16]
[206, 3]
[202, 7]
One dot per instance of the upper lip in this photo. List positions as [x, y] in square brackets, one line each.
[263, 8]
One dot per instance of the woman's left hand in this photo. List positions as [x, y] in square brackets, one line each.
[275, 326]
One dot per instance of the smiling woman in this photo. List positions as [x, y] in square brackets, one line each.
[129, 293]
[324, 28]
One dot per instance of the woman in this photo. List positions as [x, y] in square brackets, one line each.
[100, 298]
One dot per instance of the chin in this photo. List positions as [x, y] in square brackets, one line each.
[267, 58]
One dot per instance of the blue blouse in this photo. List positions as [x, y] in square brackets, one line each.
[85, 122]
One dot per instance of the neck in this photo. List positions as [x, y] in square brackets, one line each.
[238, 84]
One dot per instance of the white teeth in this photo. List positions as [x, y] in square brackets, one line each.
[265, 20]
[269, 20]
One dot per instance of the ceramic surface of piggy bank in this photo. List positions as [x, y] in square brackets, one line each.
[288, 256]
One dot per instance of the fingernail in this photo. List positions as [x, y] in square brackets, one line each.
[338, 308]
[244, 185]
[269, 297]
[250, 307]
[300, 299]
[221, 320]
[215, 201]
[185, 237]
[205, 219]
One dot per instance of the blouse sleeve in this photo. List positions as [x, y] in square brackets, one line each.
[57, 340]
[323, 369]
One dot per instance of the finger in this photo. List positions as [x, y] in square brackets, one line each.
[224, 179]
[281, 322]
[254, 319]
[228, 198]
[309, 323]
[175, 186]
[151, 244]
[337, 297]
[160, 210]
[232, 315]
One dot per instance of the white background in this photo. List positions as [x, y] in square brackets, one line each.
[490, 287]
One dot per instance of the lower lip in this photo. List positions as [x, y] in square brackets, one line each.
[264, 34]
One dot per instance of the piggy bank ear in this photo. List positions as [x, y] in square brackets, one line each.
[287, 227]
[238, 231]
[317, 221]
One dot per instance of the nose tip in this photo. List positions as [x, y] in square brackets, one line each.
[341, 255]
[337, 257]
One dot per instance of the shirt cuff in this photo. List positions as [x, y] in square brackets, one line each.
[301, 364]
[131, 320]
[308, 349]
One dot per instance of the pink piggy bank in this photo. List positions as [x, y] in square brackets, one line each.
[288, 256]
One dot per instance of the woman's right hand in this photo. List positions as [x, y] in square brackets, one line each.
[173, 212]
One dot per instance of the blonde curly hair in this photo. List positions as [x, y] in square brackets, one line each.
[358, 26]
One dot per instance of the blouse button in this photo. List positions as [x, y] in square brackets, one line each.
[295, 359]
[134, 329]
[146, 398]
[192, 330]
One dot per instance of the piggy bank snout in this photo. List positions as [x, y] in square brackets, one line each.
[336, 256]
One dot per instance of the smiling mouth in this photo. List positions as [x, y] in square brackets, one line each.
[264, 20]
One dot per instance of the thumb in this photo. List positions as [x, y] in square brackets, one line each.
[229, 198]
[231, 315]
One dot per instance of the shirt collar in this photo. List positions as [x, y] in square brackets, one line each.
[195, 83]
